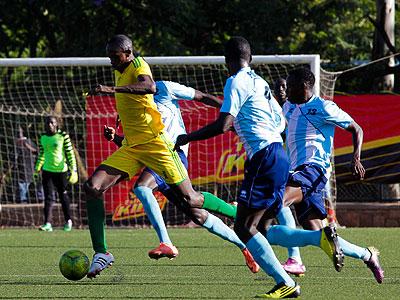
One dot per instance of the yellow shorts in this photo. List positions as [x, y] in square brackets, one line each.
[156, 155]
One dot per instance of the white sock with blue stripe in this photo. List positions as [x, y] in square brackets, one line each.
[219, 228]
[153, 212]
[265, 257]
[285, 217]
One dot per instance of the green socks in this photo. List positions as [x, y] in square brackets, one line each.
[96, 218]
[215, 204]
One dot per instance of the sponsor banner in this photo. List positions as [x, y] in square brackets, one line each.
[378, 117]
[221, 159]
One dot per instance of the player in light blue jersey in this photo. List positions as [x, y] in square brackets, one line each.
[311, 123]
[294, 264]
[257, 118]
[166, 98]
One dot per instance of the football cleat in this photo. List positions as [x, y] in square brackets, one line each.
[374, 265]
[281, 291]
[293, 267]
[250, 262]
[330, 244]
[100, 262]
[68, 226]
[164, 250]
[46, 227]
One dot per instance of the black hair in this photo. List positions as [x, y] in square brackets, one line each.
[238, 48]
[303, 75]
[120, 41]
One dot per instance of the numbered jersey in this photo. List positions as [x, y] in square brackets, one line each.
[166, 98]
[258, 116]
[310, 131]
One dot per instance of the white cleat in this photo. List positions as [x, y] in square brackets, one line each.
[100, 262]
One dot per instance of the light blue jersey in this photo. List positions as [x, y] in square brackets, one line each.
[166, 98]
[310, 131]
[258, 116]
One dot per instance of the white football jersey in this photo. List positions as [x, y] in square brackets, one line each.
[166, 98]
[310, 131]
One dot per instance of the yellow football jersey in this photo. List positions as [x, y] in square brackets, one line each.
[140, 119]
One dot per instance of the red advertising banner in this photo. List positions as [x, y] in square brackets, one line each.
[378, 115]
[221, 159]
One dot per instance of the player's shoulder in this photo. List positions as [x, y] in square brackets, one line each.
[138, 62]
[169, 85]
[63, 133]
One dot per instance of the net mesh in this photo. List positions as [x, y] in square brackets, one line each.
[28, 93]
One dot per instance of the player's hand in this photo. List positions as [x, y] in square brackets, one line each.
[181, 140]
[109, 133]
[36, 175]
[73, 178]
[357, 169]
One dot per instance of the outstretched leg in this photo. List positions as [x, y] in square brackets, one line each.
[245, 226]
[212, 223]
[103, 178]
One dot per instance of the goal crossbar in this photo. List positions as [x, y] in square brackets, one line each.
[312, 59]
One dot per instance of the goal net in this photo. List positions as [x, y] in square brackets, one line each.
[31, 89]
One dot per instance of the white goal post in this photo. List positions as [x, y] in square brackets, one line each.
[313, 60]
[32, 88]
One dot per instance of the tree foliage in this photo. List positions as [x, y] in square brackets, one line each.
[337, 30]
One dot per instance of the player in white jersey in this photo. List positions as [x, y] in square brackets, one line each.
[166, 98]
[311, 123]
[257, 118]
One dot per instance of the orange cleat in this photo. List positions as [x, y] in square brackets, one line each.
[250, 262]
[164, 250]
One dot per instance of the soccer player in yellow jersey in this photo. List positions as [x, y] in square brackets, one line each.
[144, 144]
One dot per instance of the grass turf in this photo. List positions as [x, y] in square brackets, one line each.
[207, 267]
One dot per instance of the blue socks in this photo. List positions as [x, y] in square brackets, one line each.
[153, 212]
[285, 217]
[354, 251]
[219, 228]
[265, 257]
[288, 237]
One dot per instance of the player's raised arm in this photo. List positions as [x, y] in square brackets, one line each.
[208, 99]
[145, 85]
[356, 167]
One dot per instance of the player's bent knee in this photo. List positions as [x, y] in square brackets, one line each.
[90, 191]
[198, 216]
[195, 200]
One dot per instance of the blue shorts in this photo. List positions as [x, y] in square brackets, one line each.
[162, 185]
[265, 177]
[312, 181]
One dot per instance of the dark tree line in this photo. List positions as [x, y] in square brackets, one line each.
[339, 31]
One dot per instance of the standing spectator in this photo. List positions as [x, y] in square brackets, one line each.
[26, 150]
[56, 157]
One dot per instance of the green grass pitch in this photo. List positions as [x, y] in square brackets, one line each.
[207, 267]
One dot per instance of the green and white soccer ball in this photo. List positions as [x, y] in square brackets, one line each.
[74, 264]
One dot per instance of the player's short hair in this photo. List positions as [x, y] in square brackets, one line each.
[50, 117]
[303, 75]
[120, 41]
[238, 48]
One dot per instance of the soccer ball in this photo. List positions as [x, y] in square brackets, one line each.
[74, 264]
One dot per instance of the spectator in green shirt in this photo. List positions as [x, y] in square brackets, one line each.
[56, 157]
